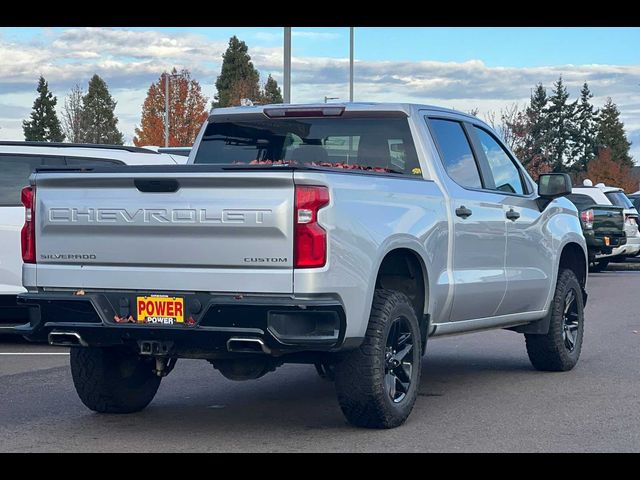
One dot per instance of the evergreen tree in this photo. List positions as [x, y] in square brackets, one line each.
[237, 77]
[611, 134]
[44, 125]
[272, 92]
[586, 129]
[560, 117]
[533, 151]
[99, 123]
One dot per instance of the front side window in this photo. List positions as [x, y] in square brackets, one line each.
[456, 152]
[505, 173]
[373, 144]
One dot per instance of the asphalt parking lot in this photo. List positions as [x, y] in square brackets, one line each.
[478, 393]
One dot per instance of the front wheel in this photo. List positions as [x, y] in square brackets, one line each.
[377, 384]
[599, 265]
[113, 380]
[559, 350]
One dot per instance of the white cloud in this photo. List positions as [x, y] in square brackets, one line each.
[129, 60]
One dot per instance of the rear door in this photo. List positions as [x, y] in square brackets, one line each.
[478, 224]
[179, 230]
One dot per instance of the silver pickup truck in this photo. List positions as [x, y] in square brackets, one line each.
[342, 236]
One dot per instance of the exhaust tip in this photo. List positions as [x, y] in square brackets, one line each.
[247, 345]
[67, 339]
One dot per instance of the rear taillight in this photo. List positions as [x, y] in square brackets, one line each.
[310, 244]
[334, 111]
[28, 233]
[587, 219]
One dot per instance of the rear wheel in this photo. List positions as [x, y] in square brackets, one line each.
[113, 380]
[377, 383]
[559, 350]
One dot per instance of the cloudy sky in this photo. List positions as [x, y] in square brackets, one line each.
[462, 68]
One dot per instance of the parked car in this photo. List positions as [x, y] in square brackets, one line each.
[17, 161]
[635, 200]
[275, 247]
[603, 229]
[603, 195]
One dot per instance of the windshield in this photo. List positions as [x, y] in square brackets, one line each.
[619, 199]
[374, 144]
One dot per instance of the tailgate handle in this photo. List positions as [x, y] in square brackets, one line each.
[156, 185]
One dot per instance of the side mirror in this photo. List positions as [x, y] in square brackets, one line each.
[552, 185]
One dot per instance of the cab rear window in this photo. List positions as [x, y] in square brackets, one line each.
[383, 145]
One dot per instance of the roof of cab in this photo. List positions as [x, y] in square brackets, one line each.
[407, 108]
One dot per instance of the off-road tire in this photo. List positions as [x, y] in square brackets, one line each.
[549, 352]
[113, 380]
[360, 374]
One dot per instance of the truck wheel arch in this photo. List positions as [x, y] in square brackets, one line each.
[404, 270]
[572, 257]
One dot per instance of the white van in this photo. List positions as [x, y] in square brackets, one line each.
[17, 161]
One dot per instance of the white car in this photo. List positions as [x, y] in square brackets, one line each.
[603, 195]
[17, 161]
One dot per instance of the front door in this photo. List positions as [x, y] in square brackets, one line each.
[530, 253]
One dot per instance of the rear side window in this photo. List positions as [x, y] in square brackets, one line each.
[506, 175]
[456, 152]
[15, 171]
[619, 199]
[381, 144]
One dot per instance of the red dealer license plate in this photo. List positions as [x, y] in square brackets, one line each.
[160, 310]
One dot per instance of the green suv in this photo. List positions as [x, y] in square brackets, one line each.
[603, 229]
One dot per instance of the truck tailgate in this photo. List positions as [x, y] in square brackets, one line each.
[212, 231]
[608, 220]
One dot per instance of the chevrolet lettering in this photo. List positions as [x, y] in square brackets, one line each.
[160, 215]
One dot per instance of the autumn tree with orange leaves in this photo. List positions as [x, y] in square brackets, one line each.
[187, 112]
[604, 169]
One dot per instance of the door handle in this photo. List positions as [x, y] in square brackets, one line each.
[156, 185]
[463, 212]
[512, 215]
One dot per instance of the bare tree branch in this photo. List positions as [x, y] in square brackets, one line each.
[72, 114]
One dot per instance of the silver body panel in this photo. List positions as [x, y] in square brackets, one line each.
[481, 272]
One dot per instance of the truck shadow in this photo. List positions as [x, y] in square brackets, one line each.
[295, 399]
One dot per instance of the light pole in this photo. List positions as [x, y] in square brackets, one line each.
[287, 65]
[167, 76]
[351, 64]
